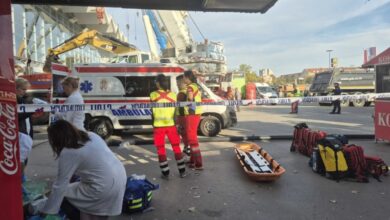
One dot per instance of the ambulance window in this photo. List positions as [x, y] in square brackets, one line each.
[132, 59]
[58, 91]
[204, 93]
[140, 86]
[145, 57]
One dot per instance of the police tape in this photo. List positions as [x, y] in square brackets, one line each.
[29, 108]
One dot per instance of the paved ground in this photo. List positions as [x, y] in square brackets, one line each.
[222, 191]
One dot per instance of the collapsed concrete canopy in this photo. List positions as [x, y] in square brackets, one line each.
[261, 6]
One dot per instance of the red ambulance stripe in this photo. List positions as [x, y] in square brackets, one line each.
[128, 69]
[114, 101]
[60, 68]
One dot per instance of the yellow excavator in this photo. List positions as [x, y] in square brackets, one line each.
[87, 37]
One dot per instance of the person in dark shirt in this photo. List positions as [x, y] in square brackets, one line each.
[336, 103]
[24, 119]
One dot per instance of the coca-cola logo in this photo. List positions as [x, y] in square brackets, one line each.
[8, 132]
[384, 119]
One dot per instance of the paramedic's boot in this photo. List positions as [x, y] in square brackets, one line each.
[164, 167]
[180, 164]
[187, 151]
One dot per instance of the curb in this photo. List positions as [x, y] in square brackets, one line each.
[252, 138]
[39, 142]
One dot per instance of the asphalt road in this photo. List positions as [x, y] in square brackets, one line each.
[223, 191]
[276, 120]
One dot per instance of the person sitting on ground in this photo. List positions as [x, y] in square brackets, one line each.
[101, 188]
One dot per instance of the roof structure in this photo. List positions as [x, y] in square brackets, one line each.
[75, 19]
[380, 59]
[255, 6]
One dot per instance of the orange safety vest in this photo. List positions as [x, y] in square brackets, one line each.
[197, 98]
[163, 117]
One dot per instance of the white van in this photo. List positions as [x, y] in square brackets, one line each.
[265, 91]
[132, 83]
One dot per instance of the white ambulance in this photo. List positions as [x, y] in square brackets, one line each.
[103, 84]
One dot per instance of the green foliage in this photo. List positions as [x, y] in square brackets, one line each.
[245, 68]
[309, 79]
[250, 75]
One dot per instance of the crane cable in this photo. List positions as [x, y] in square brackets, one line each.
[193, 21]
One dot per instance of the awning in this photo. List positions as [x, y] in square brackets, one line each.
[261, 6]
[382, 58]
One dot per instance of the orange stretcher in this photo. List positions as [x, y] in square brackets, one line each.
[257, 163]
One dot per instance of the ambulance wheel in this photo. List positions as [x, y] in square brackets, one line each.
[210, 126]
[344, 103]
[367, 104]
[102, 127]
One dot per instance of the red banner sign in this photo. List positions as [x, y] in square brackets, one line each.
[10, 175]
[382, 119]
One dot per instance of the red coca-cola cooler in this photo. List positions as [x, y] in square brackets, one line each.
[10, 168]
[250, 92]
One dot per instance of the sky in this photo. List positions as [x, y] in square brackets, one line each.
[289, 37]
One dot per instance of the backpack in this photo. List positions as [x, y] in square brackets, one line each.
[303, 147]
[333, 158]
[297, 137]
[316, 163]
[357, 166]
[314, 137]
[376, 167]
[342, 138]
[138, 194]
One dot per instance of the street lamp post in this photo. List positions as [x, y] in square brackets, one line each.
[329, 51]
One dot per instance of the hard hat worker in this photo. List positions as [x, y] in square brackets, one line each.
[336, 103]
[192, 118]
[164, 125]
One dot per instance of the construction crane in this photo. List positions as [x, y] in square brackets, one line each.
[88, 37]
[177, 45]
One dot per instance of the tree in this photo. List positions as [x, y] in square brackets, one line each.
[309, 80]
[251, 77]
[245, 68]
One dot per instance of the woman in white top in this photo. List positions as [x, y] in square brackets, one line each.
[101, 188]
[70, 86]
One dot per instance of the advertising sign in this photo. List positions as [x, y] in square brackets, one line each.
[382, 119]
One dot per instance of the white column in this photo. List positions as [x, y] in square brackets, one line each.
[35, 42]
[51, 36]
[24, 25]
[82, 55]
[13, 29]
[63, 36]
[42, 45]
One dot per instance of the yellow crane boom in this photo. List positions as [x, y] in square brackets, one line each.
[87, 37]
